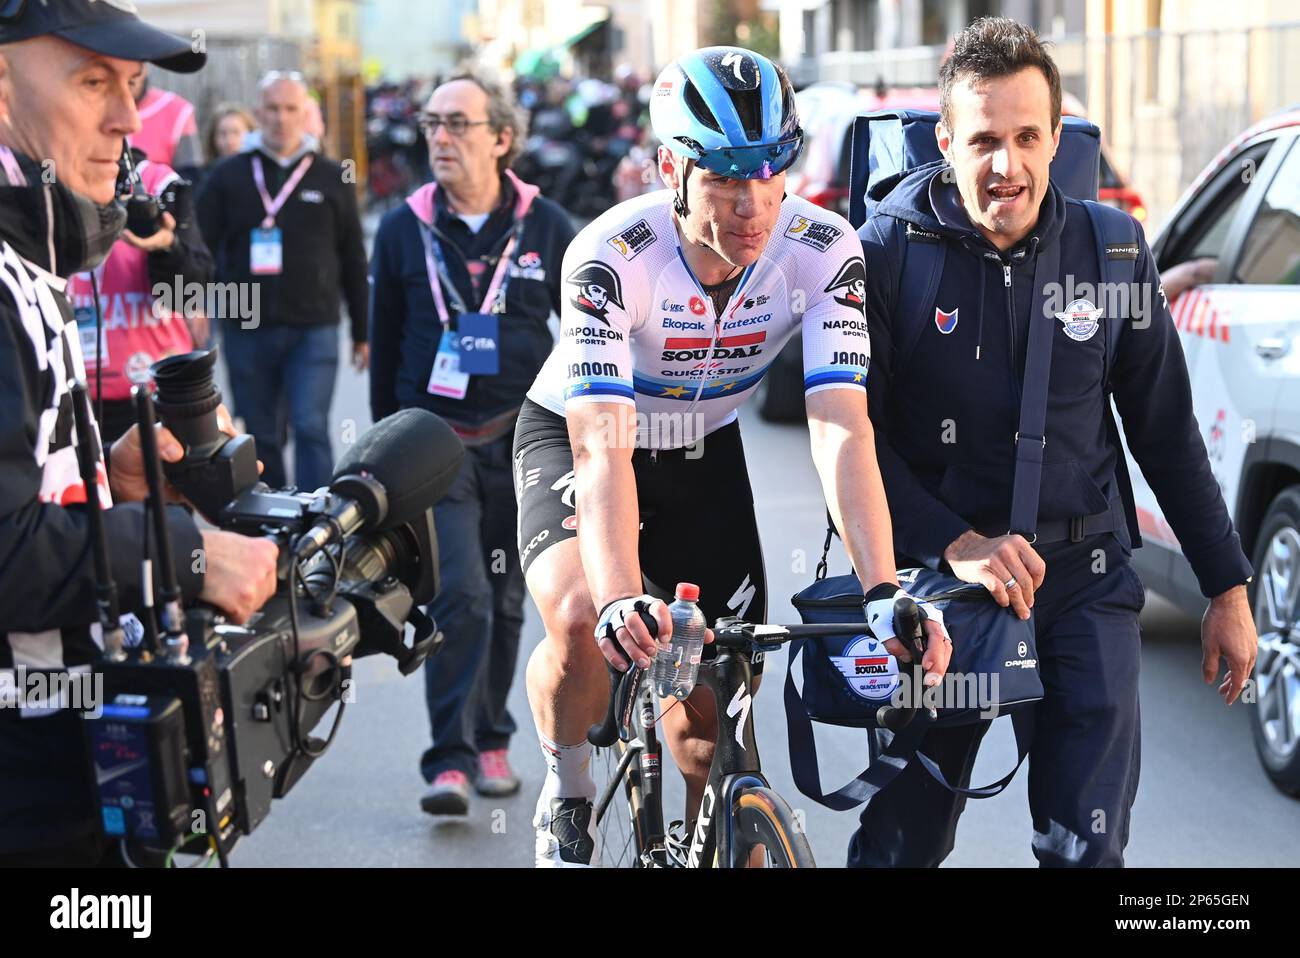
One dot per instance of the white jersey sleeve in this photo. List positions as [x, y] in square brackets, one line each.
[601, 304]
[836, 344]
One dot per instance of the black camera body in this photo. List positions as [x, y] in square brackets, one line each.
[144, 210]
[196, 745]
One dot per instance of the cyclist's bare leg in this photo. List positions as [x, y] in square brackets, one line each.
[567, 685]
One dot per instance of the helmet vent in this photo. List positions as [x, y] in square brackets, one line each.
[695, 103]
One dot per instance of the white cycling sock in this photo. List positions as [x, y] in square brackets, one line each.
[569, 770]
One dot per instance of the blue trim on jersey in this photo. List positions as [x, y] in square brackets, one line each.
[685, 391]
[825, 375]
[599, 386]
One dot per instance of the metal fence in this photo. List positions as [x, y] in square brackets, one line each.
[234, 66]
[1166, 102]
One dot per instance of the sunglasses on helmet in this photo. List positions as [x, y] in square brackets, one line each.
[753, 162]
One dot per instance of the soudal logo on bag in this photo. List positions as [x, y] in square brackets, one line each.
[945, 322]
[868, 670]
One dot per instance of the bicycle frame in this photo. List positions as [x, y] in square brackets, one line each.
[735, 765]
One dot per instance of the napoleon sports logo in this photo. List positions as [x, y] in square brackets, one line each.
[852, 280]
[598, 287]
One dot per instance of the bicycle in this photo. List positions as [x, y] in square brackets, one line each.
[739, 811]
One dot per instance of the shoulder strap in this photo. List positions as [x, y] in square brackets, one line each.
[1031, 437]
[923, 257]
[1116, 236]
[1115, 233]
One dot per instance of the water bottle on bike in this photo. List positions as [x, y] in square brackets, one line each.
[676, 667]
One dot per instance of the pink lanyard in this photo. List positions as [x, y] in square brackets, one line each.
[11, 167]
[436, 270]
[272, 207]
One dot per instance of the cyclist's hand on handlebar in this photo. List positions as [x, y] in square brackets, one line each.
[1007, 566]
[879, 608]
[632, 639]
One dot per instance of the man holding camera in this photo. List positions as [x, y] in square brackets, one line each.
[65, 107]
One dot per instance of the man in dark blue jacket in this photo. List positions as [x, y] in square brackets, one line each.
[945, 394]
[469, 265]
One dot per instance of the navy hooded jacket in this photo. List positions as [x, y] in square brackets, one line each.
[945, 389]
[404, 324]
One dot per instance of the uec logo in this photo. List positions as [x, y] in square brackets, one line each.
[471, 343]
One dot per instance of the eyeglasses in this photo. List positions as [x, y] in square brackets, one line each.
[753, 162]
[456, 123]
[275, 76]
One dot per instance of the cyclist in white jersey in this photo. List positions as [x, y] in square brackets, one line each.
[629, 469]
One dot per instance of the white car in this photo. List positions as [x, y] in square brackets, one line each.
[1241, 336]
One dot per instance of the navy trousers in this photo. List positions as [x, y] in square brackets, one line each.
[282, 377]
[1086, 752]
[480, 610]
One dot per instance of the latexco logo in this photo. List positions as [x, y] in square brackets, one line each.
[76, 911]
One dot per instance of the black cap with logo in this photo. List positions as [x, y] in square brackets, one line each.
[110, 27]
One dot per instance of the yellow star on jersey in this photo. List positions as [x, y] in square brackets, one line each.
[857, 377]
[585, 386]
[677, 392]
[729, 385]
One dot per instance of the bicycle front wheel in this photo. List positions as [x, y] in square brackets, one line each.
[762, 819]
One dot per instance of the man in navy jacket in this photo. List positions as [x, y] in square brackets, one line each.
[945, 393]
[476, 241]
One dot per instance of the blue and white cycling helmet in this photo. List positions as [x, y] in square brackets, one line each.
[730, 110]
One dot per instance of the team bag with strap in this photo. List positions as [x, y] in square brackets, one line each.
[994, 666]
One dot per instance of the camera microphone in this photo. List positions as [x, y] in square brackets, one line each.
[397, 469]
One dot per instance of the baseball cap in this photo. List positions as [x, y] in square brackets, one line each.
[110, 27]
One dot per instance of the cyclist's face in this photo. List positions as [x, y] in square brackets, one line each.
[1000, 147]
[733, 217]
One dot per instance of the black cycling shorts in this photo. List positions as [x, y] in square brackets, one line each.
[697, 514]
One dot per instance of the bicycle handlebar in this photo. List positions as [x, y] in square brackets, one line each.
[736, 635]
[621, 688]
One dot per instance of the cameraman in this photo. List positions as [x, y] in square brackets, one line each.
[137, 328]
[64, 108]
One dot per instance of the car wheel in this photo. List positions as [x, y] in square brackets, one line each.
[1276, 601]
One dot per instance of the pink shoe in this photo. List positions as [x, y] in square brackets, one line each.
[448, 795]
[495, 778]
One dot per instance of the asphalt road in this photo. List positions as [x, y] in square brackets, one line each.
[1204, 800]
